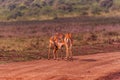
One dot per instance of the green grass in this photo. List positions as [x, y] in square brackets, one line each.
[45, 10]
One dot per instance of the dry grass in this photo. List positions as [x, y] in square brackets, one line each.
[21, 41]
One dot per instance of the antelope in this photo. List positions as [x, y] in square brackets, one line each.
[58, 41]
[68, 42]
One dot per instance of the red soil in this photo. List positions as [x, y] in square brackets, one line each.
[88, 67]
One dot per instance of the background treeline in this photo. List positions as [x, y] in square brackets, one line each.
[53, 9]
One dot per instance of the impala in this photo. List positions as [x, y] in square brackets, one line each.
[59, 40]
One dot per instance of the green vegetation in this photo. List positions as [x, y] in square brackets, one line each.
[12, 10]
[24, 49]
[28, 40]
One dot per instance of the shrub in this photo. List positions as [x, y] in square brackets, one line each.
[14, 15]
[12, 7]
[96, 10]
[92, 37]
[22, 7]
[112, 33]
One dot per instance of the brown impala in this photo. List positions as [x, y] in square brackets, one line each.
[57, 41]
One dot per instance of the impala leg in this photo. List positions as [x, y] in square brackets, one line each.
[67, 53]
[71, 55]
[55, 53]
[61, 54]
[57, 56]
[49, 51]
[49, 54]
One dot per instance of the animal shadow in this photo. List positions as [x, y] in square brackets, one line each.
[88, 60]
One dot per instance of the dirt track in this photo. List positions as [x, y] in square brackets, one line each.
[89, 67]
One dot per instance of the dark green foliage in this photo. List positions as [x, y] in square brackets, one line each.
[47, 8]
[14, 15]
[12, 7]
[112, 34]
[106, 3]
[92, 37]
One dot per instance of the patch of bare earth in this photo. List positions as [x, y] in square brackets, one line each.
[88, 67]
[111, 76]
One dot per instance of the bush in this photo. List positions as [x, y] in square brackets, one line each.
[96, 10]
[106, 3]
[14, 15]
[92, 37]
[112, 33]
[22, 7]
[12, 7]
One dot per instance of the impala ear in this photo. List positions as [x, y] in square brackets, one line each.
[66, 35]
[70, 35]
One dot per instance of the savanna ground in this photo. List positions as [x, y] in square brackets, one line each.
[28, 40]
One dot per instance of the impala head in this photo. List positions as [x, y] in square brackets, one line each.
[68, 35]
[68, 38]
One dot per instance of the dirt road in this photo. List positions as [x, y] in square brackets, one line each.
[88, 67]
